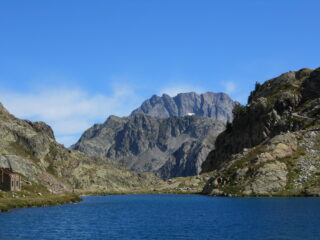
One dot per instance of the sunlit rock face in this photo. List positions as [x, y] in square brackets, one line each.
[215, 105]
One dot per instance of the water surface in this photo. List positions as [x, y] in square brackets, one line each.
[167, 217]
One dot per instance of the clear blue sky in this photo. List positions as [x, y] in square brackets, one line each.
[73, 63]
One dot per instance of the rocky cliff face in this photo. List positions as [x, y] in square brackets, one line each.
[31, 150]
[272, 145]
[216, 105]
[170, 147]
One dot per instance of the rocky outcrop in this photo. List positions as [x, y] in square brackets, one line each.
[287, 164]
[276, 106]
[170, 147]
[30, 149]
[269, 179]
[271, 147]
[215, 105]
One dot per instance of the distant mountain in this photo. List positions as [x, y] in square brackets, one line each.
[171, 147]
[168, 136]
[214, 105]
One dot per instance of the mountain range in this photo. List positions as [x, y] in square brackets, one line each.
[270, 148]
[168, 136]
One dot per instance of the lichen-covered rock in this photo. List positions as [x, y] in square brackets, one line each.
[272, 146]
[290, 102]
[269, 178]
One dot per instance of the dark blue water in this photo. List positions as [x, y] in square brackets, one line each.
[167, 217]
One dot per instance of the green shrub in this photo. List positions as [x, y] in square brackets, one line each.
[239, 110]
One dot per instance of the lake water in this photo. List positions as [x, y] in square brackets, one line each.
[167, 217]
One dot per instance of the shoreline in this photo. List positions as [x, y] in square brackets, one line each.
[7, 204]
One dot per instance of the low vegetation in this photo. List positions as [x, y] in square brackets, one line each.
[7, 203]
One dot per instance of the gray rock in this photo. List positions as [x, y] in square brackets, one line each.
[169, 136]
[277, 106]
[171, 147]
[272, 145]
[216, 105]
[270, 178]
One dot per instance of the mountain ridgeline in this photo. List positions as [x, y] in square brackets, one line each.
[168, 136]
[214, 105]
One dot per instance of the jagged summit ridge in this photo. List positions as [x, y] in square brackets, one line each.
[215, 105]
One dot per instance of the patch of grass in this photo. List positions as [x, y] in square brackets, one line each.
[33, 187]
[37, 201]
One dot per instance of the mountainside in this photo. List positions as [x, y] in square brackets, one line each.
[31, 150]
[272, 146]
[216, 105]
[169, 136]
[170, 147]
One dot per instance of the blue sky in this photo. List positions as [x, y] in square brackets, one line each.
[73, 63]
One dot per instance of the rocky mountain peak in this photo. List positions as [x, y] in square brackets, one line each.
[215, 105]
[4, 112]
[285, 83]
[166, 135]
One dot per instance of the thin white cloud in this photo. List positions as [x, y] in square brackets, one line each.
[70, 111]
[173, 90]
[230, 87]
[234, 91]
[67, 140]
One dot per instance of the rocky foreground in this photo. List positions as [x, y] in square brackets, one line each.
[272, 147]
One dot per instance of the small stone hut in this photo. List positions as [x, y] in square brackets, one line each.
[9, 180]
